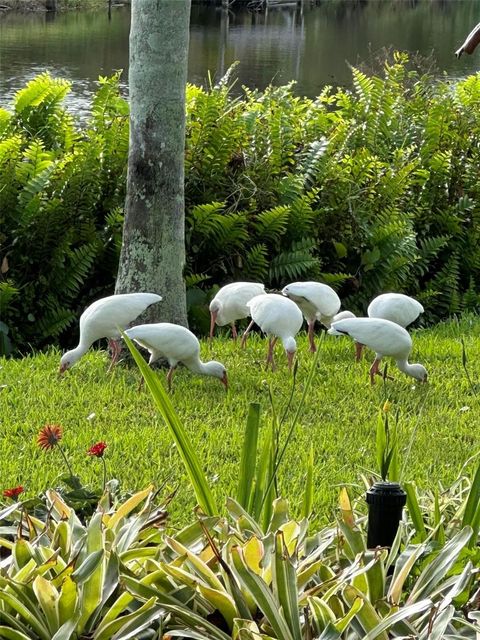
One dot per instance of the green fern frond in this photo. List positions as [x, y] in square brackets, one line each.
[363, 84]
[8, 292]
[295, 263]
[42, 90]
[52, 323]
[194, 279]
[77, 268]
[309, 166]
[5, 121]
[334, 280]
[270, 225]
[255, 264]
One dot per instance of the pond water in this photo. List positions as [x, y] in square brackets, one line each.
[310, 43]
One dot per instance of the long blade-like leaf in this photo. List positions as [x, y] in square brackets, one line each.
[185, 449]
[440, 565]
[472, 500]
[308, 495]
[249, 456]
[285, 585]
[414, 510]
[263, 596]
[402, 614]
[12, 634]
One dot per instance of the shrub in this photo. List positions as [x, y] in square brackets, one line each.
[61, 189]
[232, 577]
[369, 190]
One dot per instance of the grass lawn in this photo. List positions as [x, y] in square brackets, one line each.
[440, 419]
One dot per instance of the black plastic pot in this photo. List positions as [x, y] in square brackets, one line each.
[385, 504]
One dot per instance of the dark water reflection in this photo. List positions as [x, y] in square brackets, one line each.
[311, 44]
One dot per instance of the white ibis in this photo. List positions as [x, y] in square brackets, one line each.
[384, 337]
[230, 304]
[396, 307]
[317, 301]
[471, 42]
[278, 317]
[103, 318]
[176, 344]
[343, 315]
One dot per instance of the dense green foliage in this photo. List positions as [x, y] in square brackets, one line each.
[60, 221]
[120, 576]
[370, 190]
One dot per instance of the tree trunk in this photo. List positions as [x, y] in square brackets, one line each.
[153, 249]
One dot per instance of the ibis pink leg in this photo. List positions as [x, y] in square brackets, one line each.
[311, 338]
[358, 351]
[247, 331]
[374, 370]
[116, 350]
[234, 332]
[169, 377]
[271, 346]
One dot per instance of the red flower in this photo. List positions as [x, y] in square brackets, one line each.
[13, 493]
[49, 436]
[97, 449]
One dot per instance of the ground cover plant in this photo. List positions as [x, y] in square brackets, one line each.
[370, 190]
[437, 422]
[119, 576]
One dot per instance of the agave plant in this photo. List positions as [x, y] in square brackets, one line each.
[63, 579]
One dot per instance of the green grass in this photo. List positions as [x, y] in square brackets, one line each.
[339, 417]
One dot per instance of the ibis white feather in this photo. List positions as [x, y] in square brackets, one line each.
[103, 318]
[178, 345]
[396, 307]
[317, 301]
[230, 304]
[384, 337]
[278, 317]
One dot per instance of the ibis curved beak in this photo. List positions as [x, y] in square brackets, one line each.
[213, 318]
[63, 368]
[224, 381]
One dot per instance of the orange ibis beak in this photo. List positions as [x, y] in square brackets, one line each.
[213, 317]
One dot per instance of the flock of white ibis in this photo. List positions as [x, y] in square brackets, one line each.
[278, 316]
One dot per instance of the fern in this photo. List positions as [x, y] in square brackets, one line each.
[8, 293]
[42, 90]
[194, 279]
[298, 262]
[5, 121]
[52, 323]
[309, 166]
[429, 249]
[77, 269]
[255, 264]
[270, 225]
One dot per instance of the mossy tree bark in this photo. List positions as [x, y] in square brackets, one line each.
[153, 249]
